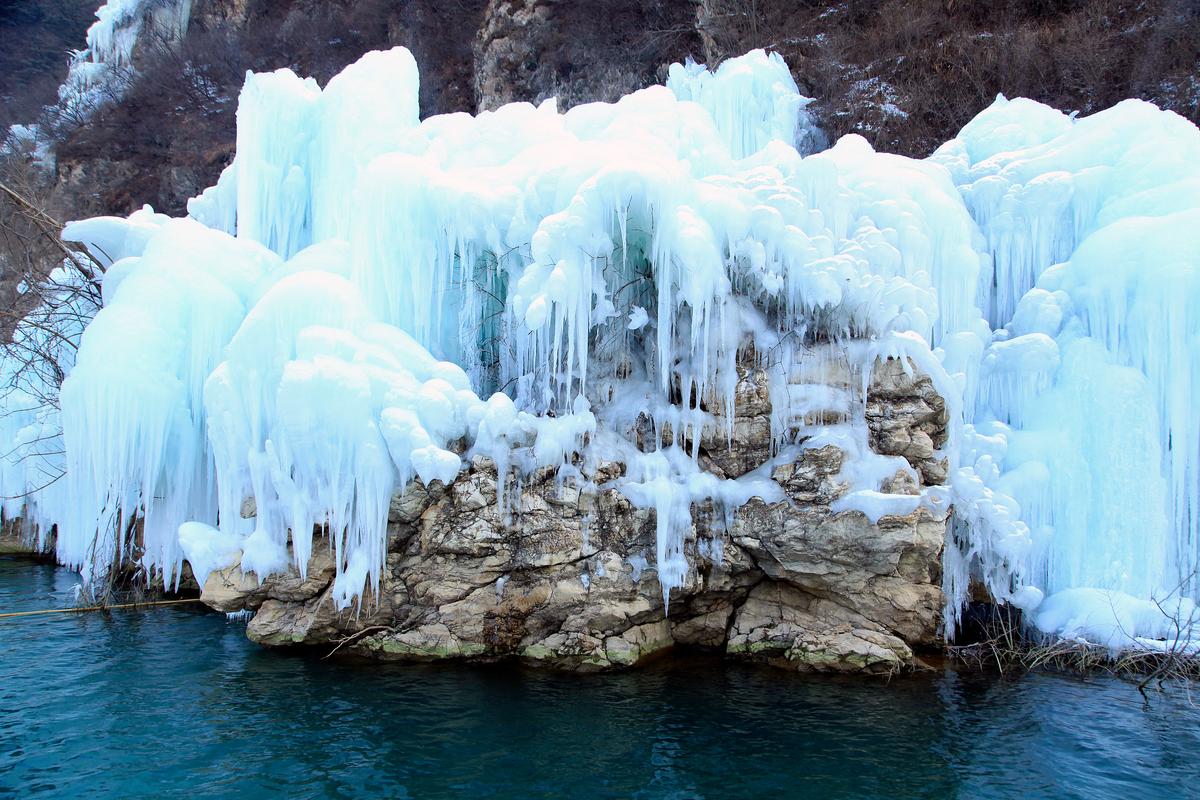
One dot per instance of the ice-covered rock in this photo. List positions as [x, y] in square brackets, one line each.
[1084, 429]
[568, 575]
[657, 301]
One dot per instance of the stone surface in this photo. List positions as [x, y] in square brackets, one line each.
[532, 50]
[907, 417]
[783, 626]
[230, 589]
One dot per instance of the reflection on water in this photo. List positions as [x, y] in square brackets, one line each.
[177, 702]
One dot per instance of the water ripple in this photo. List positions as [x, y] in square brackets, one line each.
[174, 701]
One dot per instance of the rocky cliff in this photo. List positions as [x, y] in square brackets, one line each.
[565, 574]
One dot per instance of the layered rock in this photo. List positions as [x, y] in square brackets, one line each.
[531, 50]
[562, 573]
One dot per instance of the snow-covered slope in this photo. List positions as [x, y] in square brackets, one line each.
[328, 323]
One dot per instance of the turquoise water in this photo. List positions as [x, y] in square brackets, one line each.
[174, 702]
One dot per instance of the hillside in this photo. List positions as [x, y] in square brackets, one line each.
[33, 62]
[905, 75]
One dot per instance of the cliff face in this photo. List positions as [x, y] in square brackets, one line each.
[33, 61]
[530, 50]
[566, 577]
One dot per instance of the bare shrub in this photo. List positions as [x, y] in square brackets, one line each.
[1011, 646]
[942, 61]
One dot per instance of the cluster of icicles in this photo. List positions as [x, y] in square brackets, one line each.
[112, 40]
[366, 298]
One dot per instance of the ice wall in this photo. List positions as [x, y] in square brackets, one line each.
[1085, 409]
[587, 270]
[300, 149]
[752, 99]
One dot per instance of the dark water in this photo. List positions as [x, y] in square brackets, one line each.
[172, 702]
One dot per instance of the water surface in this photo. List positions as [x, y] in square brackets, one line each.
[176, 702]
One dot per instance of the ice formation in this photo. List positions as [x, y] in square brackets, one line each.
[1084, 415]
[753, 100]
[96, 73]
[366, 298]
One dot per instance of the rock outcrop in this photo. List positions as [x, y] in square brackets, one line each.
[531, 50]
[555, 574]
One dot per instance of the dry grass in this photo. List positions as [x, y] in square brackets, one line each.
[1008, 649]
[940, 62]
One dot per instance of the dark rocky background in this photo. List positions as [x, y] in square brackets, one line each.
[906, 74]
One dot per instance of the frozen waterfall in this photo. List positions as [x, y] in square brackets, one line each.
[366, 298]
